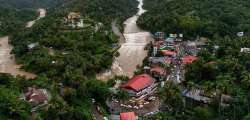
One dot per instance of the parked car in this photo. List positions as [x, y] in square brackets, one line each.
[152, 98]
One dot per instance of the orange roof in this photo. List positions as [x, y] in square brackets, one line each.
[157, 69]
[127, 116]
[189, 59]
[168, 52]
[139, 82]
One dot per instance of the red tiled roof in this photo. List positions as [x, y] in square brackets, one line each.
[189, 59]
[157, 69]
[127, 116]
[139, 82]
[168, 52]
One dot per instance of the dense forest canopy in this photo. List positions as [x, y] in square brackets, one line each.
[197, 17]
[18, 4]
[11, 19]
[65, 59]
[222, 69]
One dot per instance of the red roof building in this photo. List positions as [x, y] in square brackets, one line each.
[127, 116]
[139, 82]
[168, 53]
[189, 59]
[139, 85]
[157, 69]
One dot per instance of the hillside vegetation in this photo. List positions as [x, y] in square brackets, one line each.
[197, 17]
[222, 69]
[18, 4]
[14, 14]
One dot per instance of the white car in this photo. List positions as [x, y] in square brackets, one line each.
[152, 98]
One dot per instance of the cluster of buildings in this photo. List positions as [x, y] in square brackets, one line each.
[166, 63]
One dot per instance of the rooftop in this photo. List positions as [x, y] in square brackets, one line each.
[139, 82]
[127, 116]
[168, 52]
[36, 96]
[189, 59]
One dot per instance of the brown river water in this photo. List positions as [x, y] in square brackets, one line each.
[132, 51]
[7, 60]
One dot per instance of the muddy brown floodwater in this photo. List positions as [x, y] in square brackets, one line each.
[132, 51]
[7, 60]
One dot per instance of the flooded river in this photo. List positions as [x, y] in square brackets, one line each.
[7, 60]
[132, 51]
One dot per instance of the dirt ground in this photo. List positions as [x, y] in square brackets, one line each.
[7, 60]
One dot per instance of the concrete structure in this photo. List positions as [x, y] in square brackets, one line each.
[245, 50]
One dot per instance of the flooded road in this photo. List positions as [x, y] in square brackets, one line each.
[7, 60]
[132, 51]
[42, 14]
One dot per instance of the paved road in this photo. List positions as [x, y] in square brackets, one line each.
[42, 14]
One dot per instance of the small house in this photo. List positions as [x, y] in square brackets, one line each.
[158, 73]
[189, 59]
[36, 96]
[169, 53]
[245, 50]
[197, 95]
[72, 16]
